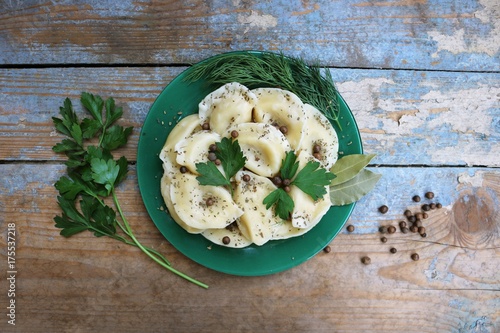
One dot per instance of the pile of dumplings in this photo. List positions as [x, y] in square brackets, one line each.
[240, 219]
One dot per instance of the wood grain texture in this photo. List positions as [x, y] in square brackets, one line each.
[424, 34]
[395, 110]
[88, 284]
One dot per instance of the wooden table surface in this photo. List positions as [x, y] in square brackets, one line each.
[422, 79]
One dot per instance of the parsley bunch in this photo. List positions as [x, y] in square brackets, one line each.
[93, 175]
[311, 179]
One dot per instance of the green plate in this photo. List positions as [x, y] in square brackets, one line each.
[180, 99]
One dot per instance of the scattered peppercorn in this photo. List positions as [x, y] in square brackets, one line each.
[391, 229]
[438, 205]
[209, 202]
[316, 148]
[425, 215]
[426, 207]
[423, 235]
[212, 147]
[408, 213]
[419, 216]
[383, 229]
[183, 169]
[350, 228]
[234, 134]
[421, 230]
[366, 260]
[416, 198]
[393, 250]
[383, 209]
[413, 228]
[429, 195]
[317, 156]
[205, 126]
[277, 181]
[418, 223]
[412, 219]
[211, 156]
[327, 249]
[287, 182]
[383, 239]
[402, 224]
[246, 178]
[283, 129]
[415, 256]
[217, 162]
[405, 230]
[226, 240]
[287, 189]
[432, 206]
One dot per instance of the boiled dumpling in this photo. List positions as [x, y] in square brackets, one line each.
[257, 222]
[319, 131]
[165, 192]
[230, 104]
[281, 108]
[194, 149]
[181, 131]
[264, 147]
[189, 200]
[235, 236]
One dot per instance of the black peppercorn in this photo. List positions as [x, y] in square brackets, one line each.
[408, 213]
[429, 195]
[423, 235]
[432, 206]
[415, 256]
[226, 240]
[405, 230]
[246, 178]
[366, 260]
[425, 215]
[183, 169]
[393, 250]
[391, 229]
[212, 147]
[287, 189]
[438, 205]
[317, 156]
[419, 216]
[418, 223]
[412, 219]
[283, 129]
[209, 202]
[383, 229]
[234, 134]
[383, 209]
[316, 148]
[383, 239]
[211, 156]
[287, 182]
[327, 249]
[413, 228]
[426, 207]
[205, 126]
[416, 198]
[350, 228]
[277, 181]
[217, 162]
[421, 230]
[402, 224]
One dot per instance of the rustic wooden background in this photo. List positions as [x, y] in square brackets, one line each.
[422, 78]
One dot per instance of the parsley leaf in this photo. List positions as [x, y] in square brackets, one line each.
[283, 203]
[232, 159]
[311, 179]
[93, 174]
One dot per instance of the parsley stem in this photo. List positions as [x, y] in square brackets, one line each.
[139, 245]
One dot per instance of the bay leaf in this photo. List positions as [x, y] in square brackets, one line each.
[354, 189]
[349, 166]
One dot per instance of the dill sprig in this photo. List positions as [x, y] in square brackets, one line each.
[272, 70]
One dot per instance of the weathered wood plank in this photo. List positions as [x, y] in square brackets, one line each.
[425, 34]
[395, 110]
[87, 284]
